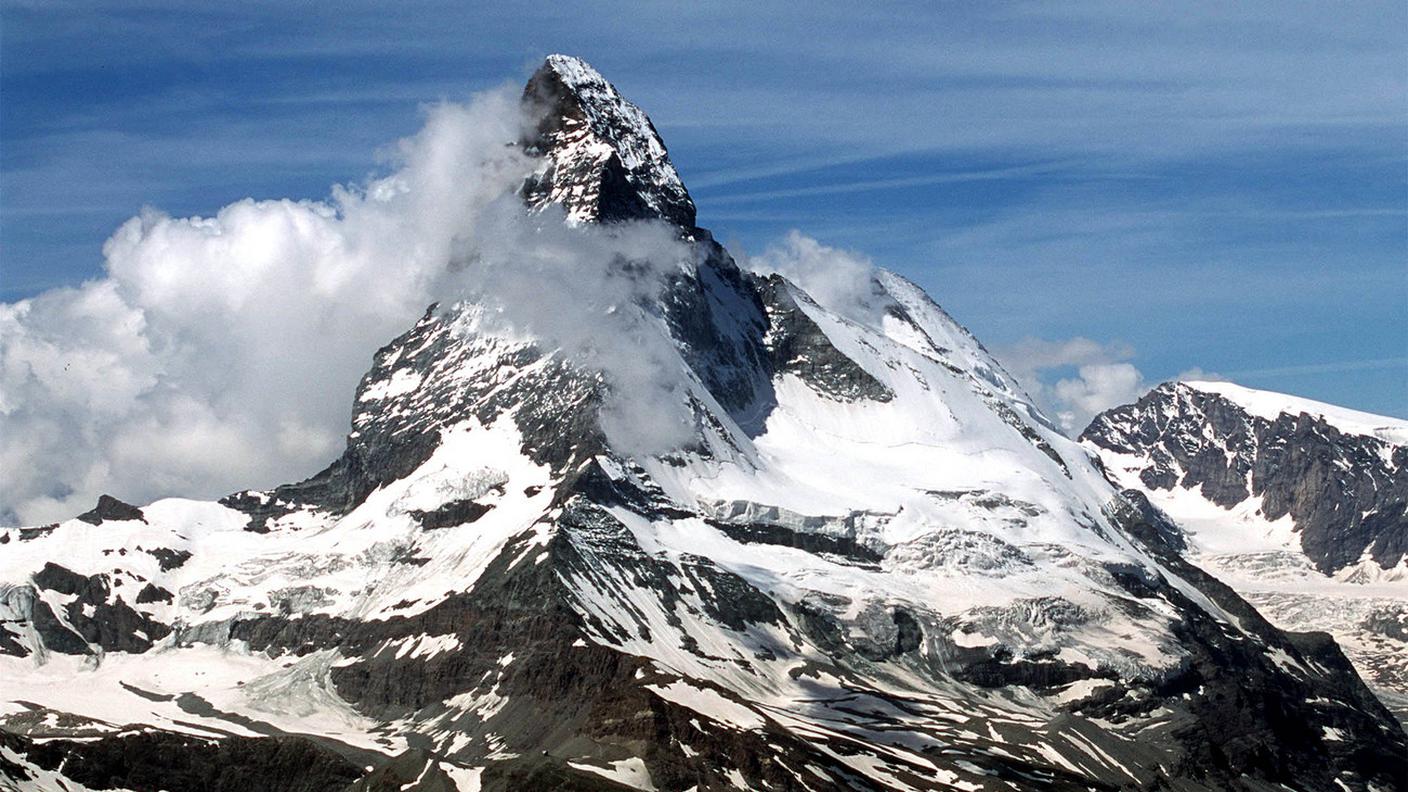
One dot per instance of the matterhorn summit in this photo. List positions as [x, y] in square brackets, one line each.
[731, 535]
[602, 159]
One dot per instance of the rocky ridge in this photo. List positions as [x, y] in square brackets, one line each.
[1300, 506]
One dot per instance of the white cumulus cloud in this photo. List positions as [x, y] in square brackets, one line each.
[221, 353]
[841, 280]
[1102, 377]
[1096, 388]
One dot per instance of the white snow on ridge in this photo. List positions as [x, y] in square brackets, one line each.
[402, 382]
[1272, 405]
[309, 562]
[940, 433]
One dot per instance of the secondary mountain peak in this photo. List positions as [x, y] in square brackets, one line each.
[1298, 505]
[603, 161]
[1336, 473]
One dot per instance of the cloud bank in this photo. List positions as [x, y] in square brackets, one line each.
[220, 353]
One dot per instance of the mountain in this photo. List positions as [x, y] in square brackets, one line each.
[1301, 506]
[865, 561]
[1336, 473]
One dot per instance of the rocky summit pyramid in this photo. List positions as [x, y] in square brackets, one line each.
[870, 564]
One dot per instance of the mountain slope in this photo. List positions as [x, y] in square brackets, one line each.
[1334, 472]
[1300, 506]
[867, 561]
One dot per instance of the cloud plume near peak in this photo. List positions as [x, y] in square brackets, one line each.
[1102, 377]
[220, 353]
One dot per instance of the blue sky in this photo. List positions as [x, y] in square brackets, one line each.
[1220, 187]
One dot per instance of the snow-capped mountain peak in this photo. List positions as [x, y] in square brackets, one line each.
[603, 160]
[1336, 474]
[870, 564]
[1271, 406]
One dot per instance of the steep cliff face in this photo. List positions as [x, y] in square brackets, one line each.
[870, 563]
[1338, 475]
[602, 160]
[1301, 506]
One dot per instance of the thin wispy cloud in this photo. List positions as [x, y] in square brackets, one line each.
[1396, 363]
[789, 167]
[866, 185]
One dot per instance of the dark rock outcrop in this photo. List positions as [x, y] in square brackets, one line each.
[110, 508]
[1346, 493]
[152, 761]
[96, 615]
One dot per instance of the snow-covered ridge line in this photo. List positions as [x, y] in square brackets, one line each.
[1272, 405]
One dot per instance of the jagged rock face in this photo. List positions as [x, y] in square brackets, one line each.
[602, 159]
[1347, 493]
[1298, 505]
[875, 565]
